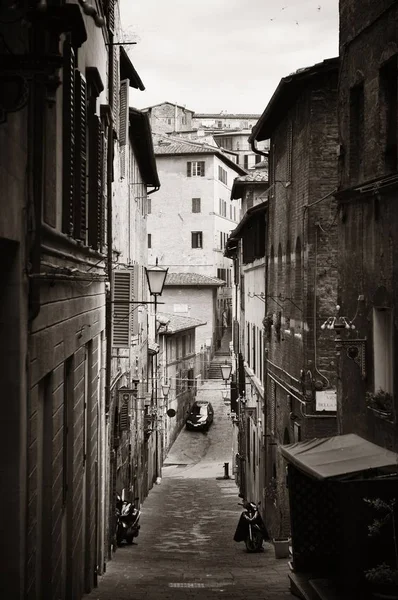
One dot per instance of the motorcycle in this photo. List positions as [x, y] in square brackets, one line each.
[127, 518]
[251, 528]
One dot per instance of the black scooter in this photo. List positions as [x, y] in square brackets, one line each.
[127, 521]
[251, 528]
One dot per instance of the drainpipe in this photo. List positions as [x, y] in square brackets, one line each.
[257, 150]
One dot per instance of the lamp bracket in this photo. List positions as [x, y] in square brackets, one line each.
[355, 349]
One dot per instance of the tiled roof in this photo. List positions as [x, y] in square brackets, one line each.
[226, 116]
[192, 279]
[166, 145]
[169, 146]
[286, 94]
[259, 176]
[166, 102]
[263, 164]
[179, 323]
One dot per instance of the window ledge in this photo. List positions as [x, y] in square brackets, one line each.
[383, 414]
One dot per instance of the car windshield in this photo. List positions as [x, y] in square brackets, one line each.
[198, 409]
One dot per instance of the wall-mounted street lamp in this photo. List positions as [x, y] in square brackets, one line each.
[156, 277]
[338, 322]
[165, 389]
[226, 370]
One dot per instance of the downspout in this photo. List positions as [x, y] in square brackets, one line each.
[256, 150]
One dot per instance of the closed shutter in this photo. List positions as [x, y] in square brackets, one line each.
[121, 314]
[124, 421]
[68, 138]
[110, 15]
[135, 278]
[123, 123]
[115, 95]
[189, 169]
[96, 200]
[272, 407]
[80, 221]
[104, 229]
[202, 168]
[124, 112]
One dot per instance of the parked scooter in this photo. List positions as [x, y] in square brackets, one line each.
[127, 521]
[251, 528]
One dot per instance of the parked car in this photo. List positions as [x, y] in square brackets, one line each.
[200, 416]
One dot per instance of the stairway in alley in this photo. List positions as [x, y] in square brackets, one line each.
[220, 356]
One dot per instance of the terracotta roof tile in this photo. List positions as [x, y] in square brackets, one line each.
[180, 323]
[192, 279]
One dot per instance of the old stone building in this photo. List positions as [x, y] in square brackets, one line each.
[191, 216]
[301, 280]
[368, 226]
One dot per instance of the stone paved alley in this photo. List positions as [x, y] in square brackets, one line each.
[185, 547]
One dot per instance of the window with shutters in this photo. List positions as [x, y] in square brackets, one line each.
[196, 168]
[196, 205]
[149, 240]
[148, 206]
[115, 88]
[122, 296]
[80, 155]
[123, 124]
[222, 175]
[68, 139]
[96, 200]
[246, 161]
[124, 419]
[110, 14]
[197, 239]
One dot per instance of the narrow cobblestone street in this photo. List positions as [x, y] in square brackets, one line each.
[185, 547]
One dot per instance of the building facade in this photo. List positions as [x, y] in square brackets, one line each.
[368, 180]
[194, 203]
[301, 280]
[54, 173]
[168, 117]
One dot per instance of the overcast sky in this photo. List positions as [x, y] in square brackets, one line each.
[214, 55]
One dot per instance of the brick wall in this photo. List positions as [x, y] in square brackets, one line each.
[302, 274]
[169, 117]
[368, 221]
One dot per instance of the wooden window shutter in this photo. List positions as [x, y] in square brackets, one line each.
[202, 168]
[124, 421]
[189, 169]
[124, 112]
[80, 221]
[121, 314]
[68, 139]
[135, 279]
[110, 15]
[96, 207]
[104, 230]
[115, 95]
[123, 123]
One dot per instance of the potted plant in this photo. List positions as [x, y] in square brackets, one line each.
[281, 543]
[383, 578]
[380, 402]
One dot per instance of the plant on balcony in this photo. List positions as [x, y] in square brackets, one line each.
[380, 401]
[384, 577]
